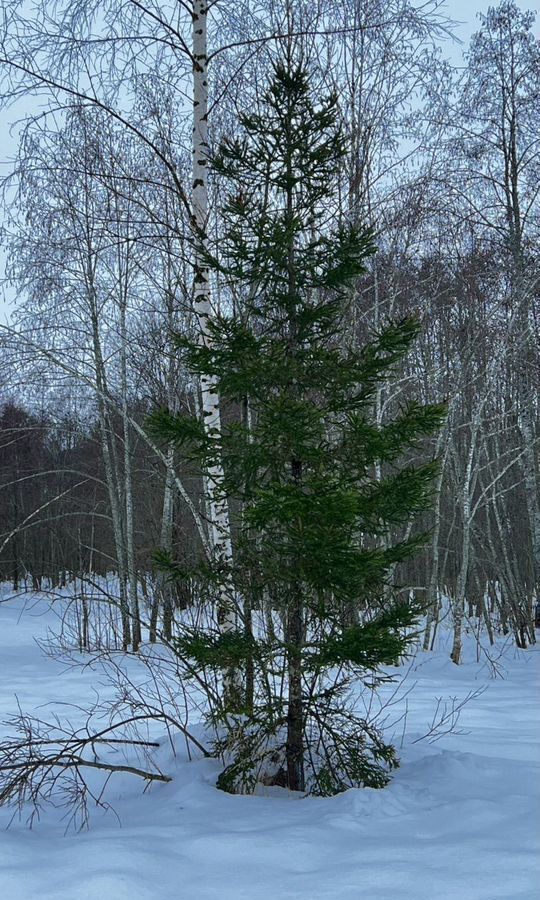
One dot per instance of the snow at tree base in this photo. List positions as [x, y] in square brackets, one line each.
[460, 819]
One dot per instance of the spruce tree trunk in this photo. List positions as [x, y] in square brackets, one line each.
[294, 639]
[247, 610]
[295, 613]
[295, 712]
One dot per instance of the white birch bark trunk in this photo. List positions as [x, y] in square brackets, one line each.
[219, 513]
[111, 472]
[466, 508]
[432, 592]
[123, 275]
[218, 510]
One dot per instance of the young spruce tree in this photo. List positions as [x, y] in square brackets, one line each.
[316, 618]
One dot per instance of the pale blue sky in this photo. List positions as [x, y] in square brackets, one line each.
[467, 11]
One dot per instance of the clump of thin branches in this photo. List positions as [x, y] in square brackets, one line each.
[51, 763]
[446, 716]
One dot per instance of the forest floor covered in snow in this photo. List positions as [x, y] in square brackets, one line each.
[460, 820]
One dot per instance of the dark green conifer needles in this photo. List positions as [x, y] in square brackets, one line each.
[311, 522]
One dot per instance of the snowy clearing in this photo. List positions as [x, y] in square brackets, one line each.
[460, 820]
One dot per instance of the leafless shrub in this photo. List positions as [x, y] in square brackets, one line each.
[49, 763]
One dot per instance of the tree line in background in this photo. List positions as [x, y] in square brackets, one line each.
[113, 216]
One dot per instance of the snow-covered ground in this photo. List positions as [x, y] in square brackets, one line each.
[460, 820]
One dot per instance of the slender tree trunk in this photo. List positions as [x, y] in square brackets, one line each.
[202, 289]
[247, 608]
[162, 595]
[218, 505]
[484, 612]
[432, 599]
[128, 493]
[466, 503]
[166, 542]
[294, 639]
[111, 470]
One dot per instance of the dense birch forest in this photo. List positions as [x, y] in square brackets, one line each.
[109, 184]
[117, 206]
